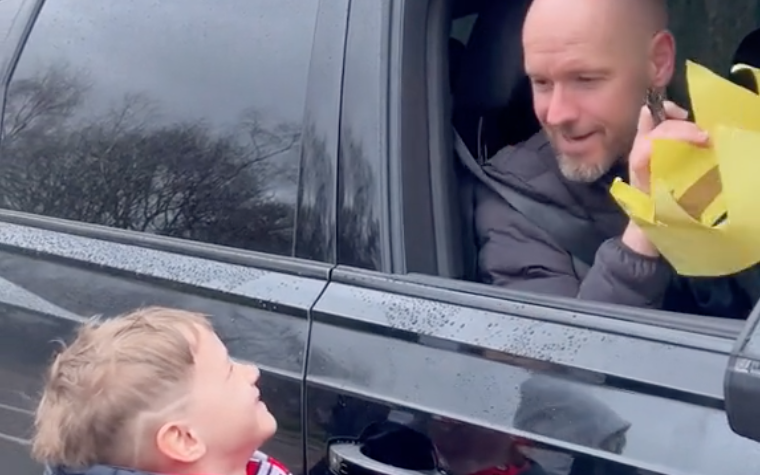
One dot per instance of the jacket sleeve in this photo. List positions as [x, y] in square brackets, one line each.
[518, 255]
[624, 277]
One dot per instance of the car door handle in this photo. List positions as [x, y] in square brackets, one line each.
[348, 459]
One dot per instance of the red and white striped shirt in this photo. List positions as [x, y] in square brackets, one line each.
[263, 464]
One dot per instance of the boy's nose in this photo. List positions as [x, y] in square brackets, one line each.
[254, 373]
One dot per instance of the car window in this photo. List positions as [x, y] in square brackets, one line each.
[176, 117]
[710, 34]
[10, 14]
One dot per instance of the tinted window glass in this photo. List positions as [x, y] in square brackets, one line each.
[11, 16]
[174, 117]
[363, 140]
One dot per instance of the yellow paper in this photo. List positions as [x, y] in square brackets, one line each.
[685, 181]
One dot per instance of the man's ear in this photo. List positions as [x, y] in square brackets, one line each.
[177, 441]
[662, 59]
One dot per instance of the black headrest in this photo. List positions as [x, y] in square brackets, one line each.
[748, 51]
[747, 54]
[492, 67]
[745, 78]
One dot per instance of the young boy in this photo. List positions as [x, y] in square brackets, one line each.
[152, 392]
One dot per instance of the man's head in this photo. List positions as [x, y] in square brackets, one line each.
[590, 63]
[153, 390]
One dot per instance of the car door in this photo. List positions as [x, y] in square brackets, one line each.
[489, 377]
[150, 155]
[482, 376]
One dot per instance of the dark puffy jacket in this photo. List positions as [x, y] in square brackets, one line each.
[517, 254]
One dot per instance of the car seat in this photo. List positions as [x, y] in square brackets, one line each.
[747, 54]
[492, 103]
[456, 52]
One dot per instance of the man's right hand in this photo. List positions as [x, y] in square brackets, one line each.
[675, 127]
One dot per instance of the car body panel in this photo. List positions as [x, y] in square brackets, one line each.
[667, 384]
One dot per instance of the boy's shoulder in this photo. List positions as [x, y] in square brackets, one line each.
[263, 464]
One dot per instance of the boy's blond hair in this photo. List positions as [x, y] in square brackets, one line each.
[107, 388]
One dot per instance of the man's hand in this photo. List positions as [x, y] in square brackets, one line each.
[675, 127]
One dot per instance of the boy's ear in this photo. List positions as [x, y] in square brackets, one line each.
[177, 441]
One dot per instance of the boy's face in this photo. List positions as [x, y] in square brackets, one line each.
[225, 418]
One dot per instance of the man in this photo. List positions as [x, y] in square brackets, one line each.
[591, 63]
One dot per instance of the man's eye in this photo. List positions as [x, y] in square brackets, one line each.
[587, 79]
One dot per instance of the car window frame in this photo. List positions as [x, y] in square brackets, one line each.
[438, 108]
[317, 107]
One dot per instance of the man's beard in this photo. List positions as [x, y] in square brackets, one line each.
[577, 171]
[581, 172]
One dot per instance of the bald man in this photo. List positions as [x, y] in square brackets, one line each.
[591, 63]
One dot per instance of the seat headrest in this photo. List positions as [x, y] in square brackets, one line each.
[492, 67]
[748, 51]
[745, 78]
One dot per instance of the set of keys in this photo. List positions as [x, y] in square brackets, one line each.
[655, 100]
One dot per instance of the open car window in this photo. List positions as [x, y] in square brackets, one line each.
[710, 33]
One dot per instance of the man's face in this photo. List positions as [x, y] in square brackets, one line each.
[589, 82]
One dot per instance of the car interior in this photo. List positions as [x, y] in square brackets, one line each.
[489, 107]
[490, 104]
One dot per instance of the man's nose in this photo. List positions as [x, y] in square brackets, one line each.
[562, 109]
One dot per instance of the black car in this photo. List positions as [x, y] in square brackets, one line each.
[288, 167]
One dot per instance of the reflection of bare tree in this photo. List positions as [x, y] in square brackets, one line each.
[358, 219]
[44, 103]
[266, 141]
[316, 190]
[125, 170]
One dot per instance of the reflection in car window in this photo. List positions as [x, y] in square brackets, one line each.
[10, 16]
[178, 118]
